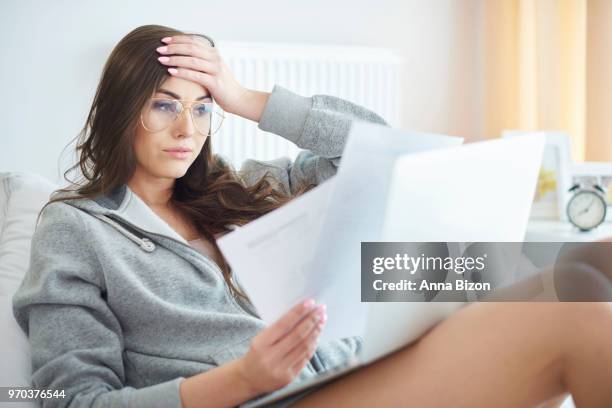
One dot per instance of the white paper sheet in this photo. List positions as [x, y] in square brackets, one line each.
[310, 247]
[272, 255]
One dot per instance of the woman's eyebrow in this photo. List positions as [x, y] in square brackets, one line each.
[175, 96]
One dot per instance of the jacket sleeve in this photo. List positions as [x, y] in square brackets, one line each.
[319, 124]
[75, 339]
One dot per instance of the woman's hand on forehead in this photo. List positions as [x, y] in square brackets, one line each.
[192, 57]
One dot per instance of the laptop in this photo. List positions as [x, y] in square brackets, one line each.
[479, 192]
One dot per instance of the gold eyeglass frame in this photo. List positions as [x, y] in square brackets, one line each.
[183, 109]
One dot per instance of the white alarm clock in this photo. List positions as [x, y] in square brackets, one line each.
[587, 207]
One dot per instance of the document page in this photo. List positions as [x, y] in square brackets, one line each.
[311, 246]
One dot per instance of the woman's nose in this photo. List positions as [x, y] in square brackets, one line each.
[184, 125]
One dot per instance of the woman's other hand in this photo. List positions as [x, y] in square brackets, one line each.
[199, 62]
[280, 352]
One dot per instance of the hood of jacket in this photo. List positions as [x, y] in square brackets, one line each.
[123, 208]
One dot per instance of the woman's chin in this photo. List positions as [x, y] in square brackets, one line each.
[175, 171]
[179, 174]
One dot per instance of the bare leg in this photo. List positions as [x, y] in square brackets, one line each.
[491, 355]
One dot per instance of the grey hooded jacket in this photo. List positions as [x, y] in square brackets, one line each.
[119, 308]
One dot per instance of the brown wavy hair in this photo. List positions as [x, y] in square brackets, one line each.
[211, 194]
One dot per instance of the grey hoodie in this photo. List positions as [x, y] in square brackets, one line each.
[119, 308]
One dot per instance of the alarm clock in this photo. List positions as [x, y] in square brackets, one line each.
[587, 208]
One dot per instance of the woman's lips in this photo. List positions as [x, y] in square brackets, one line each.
[177, 154]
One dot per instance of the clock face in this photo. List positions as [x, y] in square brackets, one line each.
[586, 210]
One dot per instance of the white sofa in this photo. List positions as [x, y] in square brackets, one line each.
[22, 195]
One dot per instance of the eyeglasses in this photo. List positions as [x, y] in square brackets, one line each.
[160, 113]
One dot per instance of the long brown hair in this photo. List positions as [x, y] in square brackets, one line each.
[211, 194]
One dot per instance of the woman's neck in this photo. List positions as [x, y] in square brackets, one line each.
[155, 192]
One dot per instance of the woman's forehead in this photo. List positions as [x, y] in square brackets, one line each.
[184, 89]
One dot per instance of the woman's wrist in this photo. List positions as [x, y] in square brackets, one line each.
[250, 104]
[240, 377]
[222, 386]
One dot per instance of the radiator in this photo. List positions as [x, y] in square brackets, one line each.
[367, 76]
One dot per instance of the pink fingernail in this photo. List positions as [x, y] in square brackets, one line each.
[163, 59]
[166, 39]
[309, 303]
[173, 71]
[162, 49]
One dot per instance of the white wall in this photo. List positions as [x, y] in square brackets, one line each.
[53, 53]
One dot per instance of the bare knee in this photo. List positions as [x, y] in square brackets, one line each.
[582, 322]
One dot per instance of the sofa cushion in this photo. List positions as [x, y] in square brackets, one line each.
[22, 195]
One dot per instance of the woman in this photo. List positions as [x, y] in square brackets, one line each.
[128, 301]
